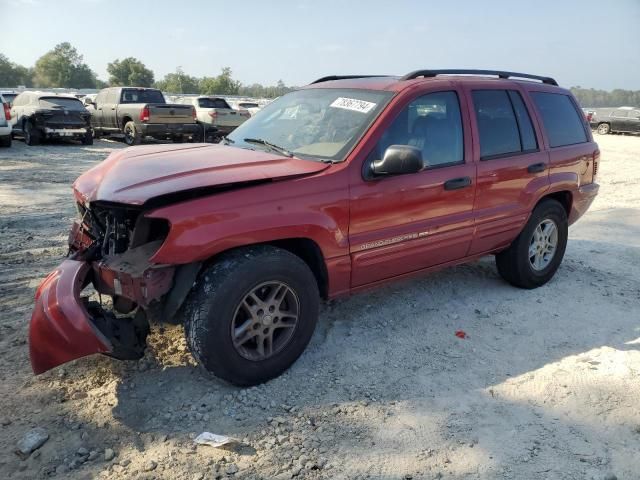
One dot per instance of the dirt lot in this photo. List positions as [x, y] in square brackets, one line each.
[546, 385]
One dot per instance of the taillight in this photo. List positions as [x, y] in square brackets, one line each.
[589, 117]
[7, 111]
[213, 114]
[194, 114]
[144, 114]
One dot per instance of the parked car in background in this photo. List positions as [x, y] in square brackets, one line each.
[5, 125]
[9, 96]
[216, 112]
[615, 120]
[141, 112]
[251, 107]
[89, 100]
[334, 188]
[38, 116]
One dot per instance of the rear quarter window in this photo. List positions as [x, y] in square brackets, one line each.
[561, 120]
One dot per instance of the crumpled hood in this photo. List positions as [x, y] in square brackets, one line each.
[137, 174]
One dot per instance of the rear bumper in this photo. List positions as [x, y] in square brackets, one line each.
[64, 132]
[164, 129]
[61, 328]
[582, 200]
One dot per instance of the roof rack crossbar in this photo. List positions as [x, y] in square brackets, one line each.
[499, 73]
[343, 77]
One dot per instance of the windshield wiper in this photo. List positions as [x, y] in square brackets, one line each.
[260, 141]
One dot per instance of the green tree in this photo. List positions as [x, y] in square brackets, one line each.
[178, 82]
[131, 72]
[223, 84]
[63, 67]
[12, 74]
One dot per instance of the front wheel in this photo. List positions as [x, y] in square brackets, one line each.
[251, 314]
[604, 129]
[535, 255]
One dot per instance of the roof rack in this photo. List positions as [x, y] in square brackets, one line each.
[499, 73]
[343, 77]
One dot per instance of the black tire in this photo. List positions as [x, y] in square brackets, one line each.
[212, 305]
[88, 138]
[604, 129]
[32, 135]
[5, 141]
[132, 135]
[514, 264]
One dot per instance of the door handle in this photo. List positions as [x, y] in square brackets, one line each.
[536, 168]
[456, 183]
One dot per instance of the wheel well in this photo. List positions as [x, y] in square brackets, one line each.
[304, 248]
[125, 120]
[310, 253]
[564, 197]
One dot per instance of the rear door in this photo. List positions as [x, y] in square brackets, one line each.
[406, 223]
[513, 167]
[619, 120]
[634, 121]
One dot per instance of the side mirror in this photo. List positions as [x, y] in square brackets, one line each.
[398, 160]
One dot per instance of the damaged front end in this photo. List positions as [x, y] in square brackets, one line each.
[110, 247]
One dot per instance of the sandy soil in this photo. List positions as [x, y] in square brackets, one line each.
[544, 387]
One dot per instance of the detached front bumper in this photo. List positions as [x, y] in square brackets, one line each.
[65, 326]
[61, 327]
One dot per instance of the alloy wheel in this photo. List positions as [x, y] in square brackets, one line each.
[543, 245]
[265, 320]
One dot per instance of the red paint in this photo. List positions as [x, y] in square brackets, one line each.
[369, 232]
[461, 334]
[60, 328]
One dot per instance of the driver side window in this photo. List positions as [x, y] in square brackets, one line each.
[433, 124]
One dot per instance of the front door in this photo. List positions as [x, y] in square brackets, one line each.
[400, 224]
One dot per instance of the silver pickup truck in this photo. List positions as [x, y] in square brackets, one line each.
[141, 112]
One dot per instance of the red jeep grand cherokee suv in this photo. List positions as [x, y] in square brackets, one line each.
[339, 186]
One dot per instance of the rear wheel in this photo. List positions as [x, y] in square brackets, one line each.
[31, 134]
[535, 255]
[131, 134]
[604, 128]
[251, 314]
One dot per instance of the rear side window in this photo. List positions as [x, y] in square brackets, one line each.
[497, 124]
[560, 118]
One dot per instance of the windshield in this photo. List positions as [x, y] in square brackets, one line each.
[131, 95]
[53, 102]
[317, 122]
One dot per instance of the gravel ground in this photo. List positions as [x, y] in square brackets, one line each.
[545, 386]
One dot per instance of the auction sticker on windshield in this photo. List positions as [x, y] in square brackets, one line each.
[354, 104]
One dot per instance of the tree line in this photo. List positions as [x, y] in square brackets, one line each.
[64, 67]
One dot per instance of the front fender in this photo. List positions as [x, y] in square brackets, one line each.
[316, 208]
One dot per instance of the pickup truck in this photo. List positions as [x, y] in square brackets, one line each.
[340, 186]
[217, 113]
[141, 112]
